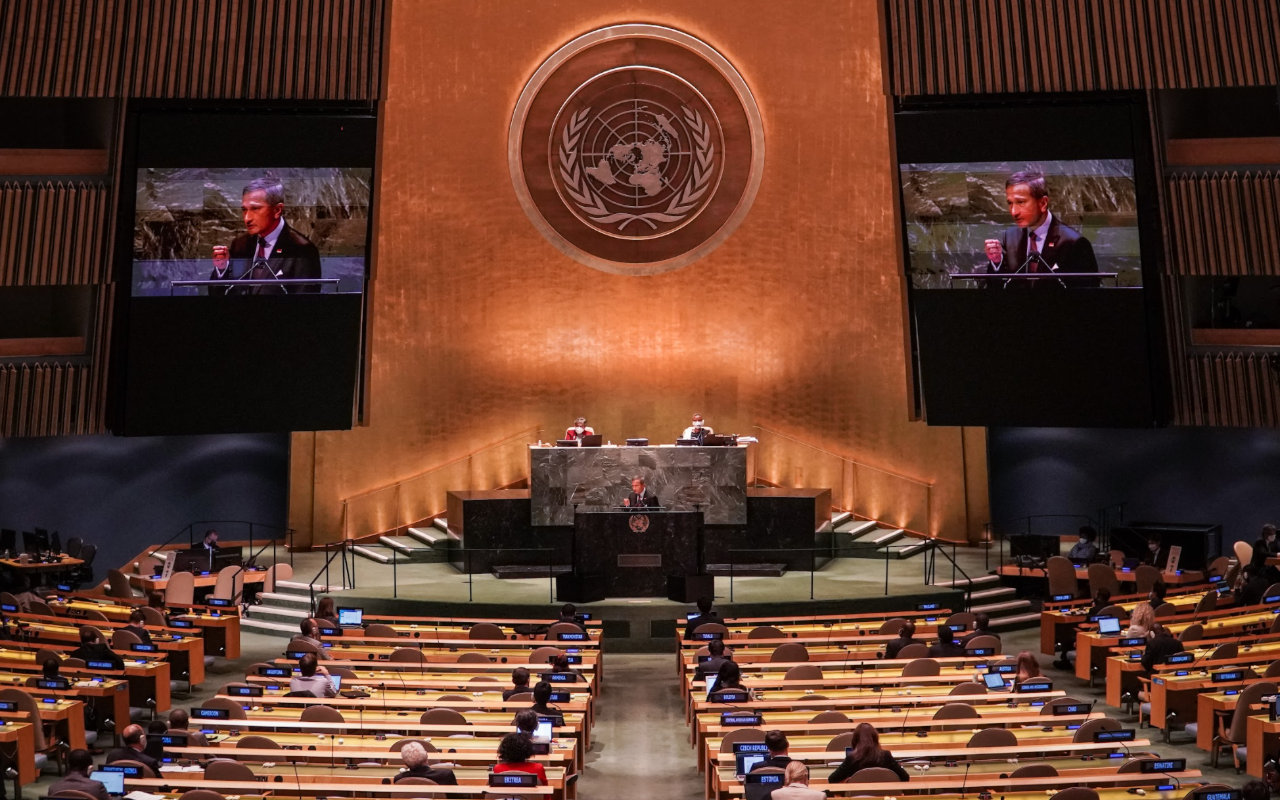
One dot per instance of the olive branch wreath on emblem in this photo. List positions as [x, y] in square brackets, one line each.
[577, 183]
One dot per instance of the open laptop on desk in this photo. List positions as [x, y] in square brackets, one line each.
[113, 781]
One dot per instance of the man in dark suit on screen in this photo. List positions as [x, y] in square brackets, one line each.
[640, 497]
[1039, 243]
[268, 249]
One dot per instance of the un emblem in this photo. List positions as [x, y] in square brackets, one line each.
[639, 523]
[636, 149]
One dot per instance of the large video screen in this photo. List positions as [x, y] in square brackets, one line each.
[970, 225]
[197, 229]
[243, 234]
[1031, 238]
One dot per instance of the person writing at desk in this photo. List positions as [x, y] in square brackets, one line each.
[697, 430]
[578, 429]
[640, 496]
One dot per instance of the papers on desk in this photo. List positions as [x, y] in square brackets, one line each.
[141, 795]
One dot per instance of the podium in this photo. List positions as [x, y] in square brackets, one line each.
[633, 553]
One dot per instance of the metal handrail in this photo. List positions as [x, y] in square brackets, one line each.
[348, 574]
[931, 568]
[1023, 527]
[528, 434]
[466, 554]
[925, 485]
[189, 529]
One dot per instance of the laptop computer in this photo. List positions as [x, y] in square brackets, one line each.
[1108, 626]
[350, 617]
[592, 440]
[113, 781]
[994, 681]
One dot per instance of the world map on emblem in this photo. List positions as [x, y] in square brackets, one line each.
[636, 149]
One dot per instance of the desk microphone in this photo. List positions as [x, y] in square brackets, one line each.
[965, 779]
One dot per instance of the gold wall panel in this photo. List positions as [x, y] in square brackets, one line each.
[480, 329]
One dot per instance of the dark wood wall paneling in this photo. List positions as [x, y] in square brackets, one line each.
[1003, 46]
[1224, 223]
[1216, 223]
[57, 233]
[53, 233]
[240, 49]
[1220, 223]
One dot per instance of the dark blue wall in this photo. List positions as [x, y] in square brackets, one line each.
[127, 493]
[1214, 475]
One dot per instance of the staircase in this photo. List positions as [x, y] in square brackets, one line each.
[997, 601]
[856, 538]
[279, 612]
[422, 544]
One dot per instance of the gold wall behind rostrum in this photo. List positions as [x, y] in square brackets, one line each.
[482, 331]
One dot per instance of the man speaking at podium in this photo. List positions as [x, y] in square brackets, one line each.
[1038, 242]
[269, 247]
[640, 497]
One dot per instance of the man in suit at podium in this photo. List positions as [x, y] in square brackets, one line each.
[269, 247]
[1038, 242]
[640, 496]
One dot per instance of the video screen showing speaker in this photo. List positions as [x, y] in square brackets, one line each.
[243, 237]
[1030, 236]
[250, 230]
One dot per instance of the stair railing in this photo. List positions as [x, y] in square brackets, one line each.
[420, 496]
[348, 571]
[852, 482]
[1032, 525]
[931, 570]
[255, 533]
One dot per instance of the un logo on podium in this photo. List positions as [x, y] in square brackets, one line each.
[636, 149]
[638, 523]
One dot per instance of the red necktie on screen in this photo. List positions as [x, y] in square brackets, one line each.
[262, 247]
[1032, 250]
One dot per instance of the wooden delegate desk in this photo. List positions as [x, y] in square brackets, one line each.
[1122, 669]
[64, 714]
[36, 571]
[185, 652]
[869, 622]
[19, 737]
[847, 700]
[257, 790]
[823, 763]
[386, 700]
[905, 745]
[314, 779]
[218, 628]
[888, 718]
[1262, 737]
[397, 671]
[1056, 623]
[154, 583]
[1123, 575]
[364, 734]
[1091, 647]
[1000, 782]
[561, 754]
